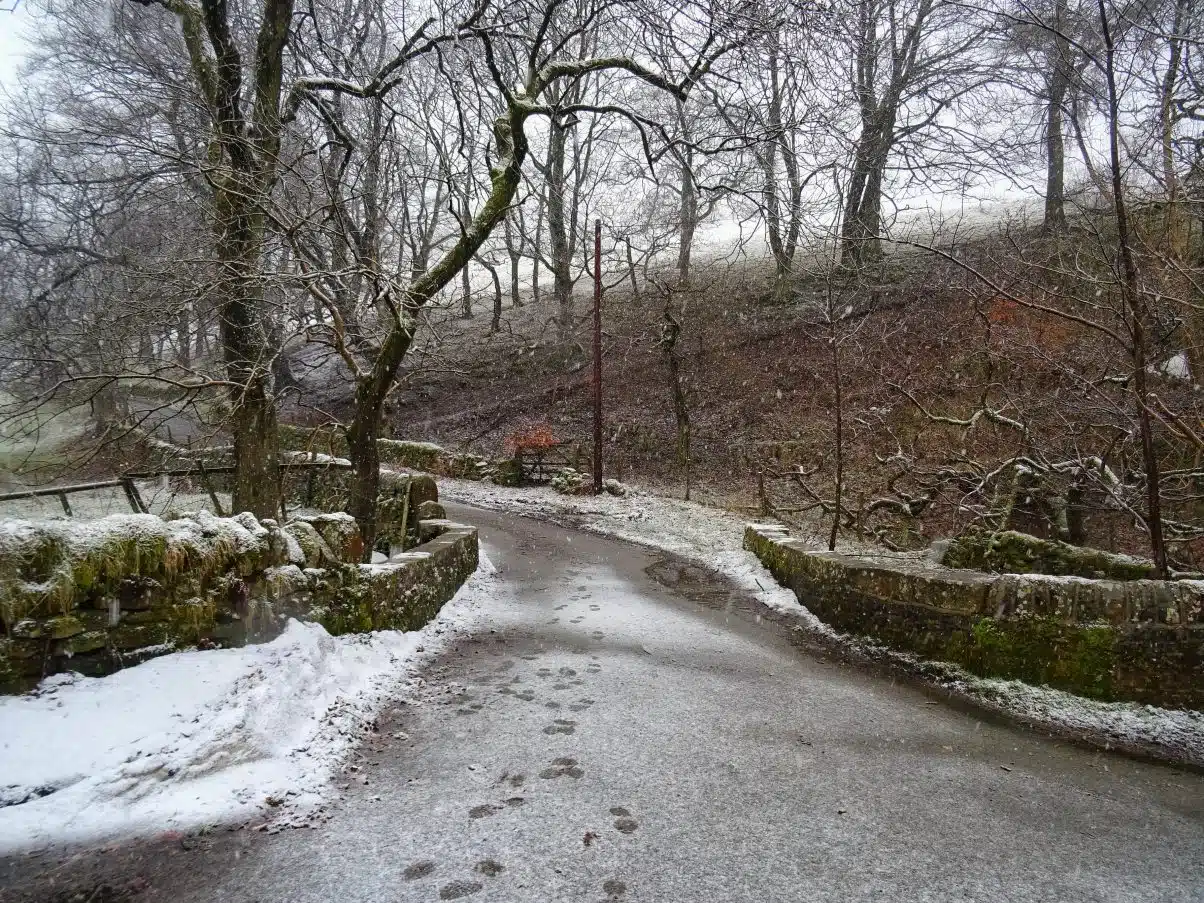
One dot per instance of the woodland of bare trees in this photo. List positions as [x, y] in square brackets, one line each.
[209, 207]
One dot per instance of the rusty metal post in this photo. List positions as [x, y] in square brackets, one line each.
[597, 357]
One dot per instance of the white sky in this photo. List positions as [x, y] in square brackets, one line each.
[11, 42]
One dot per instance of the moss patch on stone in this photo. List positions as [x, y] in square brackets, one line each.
[1078, 657]
[1012, 552]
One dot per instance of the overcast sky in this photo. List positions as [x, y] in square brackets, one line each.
[11, 24]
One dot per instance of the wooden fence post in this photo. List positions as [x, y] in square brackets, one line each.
[205, 481]
[131, 494]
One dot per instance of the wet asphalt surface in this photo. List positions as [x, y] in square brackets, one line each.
[621, 728]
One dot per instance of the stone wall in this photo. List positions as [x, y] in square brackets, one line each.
[1013, 552]
[323, 482]
[401, 594]
[95, 596]
[424, 456]
[1139, 640]
[404, 499]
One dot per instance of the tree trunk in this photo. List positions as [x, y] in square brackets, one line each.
[839, 437]
[1055, 150]
[183, 336]
[635, 284]
[200, 337]
[1055, 161]
[109, 406]
[562, 253]
[1174, 224]
[346, 296]
[1138, 309]
[670, 333]
[364, 452]
[536, 250]
[689, 217]
[514, 248]
[862, 228]
[496, 323]
[783, 236]
[247, 358]
[466, 294]
[374, 386]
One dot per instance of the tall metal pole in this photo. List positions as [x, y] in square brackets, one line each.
[597, 356]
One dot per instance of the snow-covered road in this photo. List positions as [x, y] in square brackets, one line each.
[618, 726]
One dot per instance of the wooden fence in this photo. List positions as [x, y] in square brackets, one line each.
[126, 482]
[539, 465]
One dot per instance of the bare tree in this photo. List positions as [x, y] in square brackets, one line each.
[912, 62]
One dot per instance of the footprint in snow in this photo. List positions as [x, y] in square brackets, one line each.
[562, 768]
[624, 823]
[614, 888]
[561, 726]
[419, 870]
[458, 889]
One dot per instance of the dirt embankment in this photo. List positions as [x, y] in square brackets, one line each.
[760, 379]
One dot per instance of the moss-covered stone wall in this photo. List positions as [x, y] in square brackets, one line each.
[1012, 552]
[95, 596]
[424, 456]
[401, 497]
[1139, 640]
[401, 594]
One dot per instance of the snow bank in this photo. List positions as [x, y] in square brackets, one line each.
[198, 738]
[1126, 722]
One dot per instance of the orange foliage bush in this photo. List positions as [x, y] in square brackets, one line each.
[536, 438]
[1047, 331]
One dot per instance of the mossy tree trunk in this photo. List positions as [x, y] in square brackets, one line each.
[247, 356]
[375, 382]
[243, 170]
